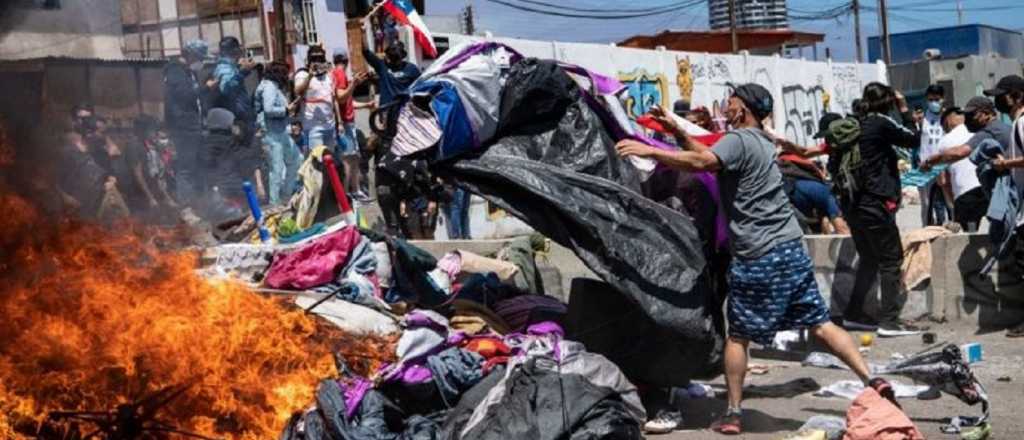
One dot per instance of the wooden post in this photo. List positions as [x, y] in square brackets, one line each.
[732, 26]
[856, 30]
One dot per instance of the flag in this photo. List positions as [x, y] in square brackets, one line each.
[406, 14]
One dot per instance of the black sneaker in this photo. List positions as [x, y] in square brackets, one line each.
[898, 329]
[860, 325]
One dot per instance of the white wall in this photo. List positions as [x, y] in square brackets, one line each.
[803, 90]
[331, 26]
[85, 29]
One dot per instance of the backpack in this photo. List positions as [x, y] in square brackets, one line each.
[844, 139]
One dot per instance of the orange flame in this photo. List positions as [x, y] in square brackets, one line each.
[94, 318]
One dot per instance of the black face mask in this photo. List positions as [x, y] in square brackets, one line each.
[1002, 105]
[972, 125]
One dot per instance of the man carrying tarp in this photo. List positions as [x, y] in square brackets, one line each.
[771, 280]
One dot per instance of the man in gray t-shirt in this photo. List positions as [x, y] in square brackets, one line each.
[760, 215]
[771, 279]
[981, 118]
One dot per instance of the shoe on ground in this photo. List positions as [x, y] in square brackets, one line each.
[728, 424]
[860, 325]
[361, 197]
[885, 390]
[664, 423]
[898, 329]
[1016, 332]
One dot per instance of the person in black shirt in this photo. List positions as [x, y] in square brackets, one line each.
[871, 210]
[184, 112]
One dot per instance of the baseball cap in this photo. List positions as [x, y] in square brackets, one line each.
[978, 103]
[230, 45]
[757, 98]
[219, 119]
[197, 48]
[681, 107]
[824, 122]
[1005, 85]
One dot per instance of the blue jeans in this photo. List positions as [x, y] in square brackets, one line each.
[347, 143]
[284, 164]
[318, 135]
[811, 195]
[458, 215]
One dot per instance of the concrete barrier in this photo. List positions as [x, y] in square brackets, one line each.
[955, 292]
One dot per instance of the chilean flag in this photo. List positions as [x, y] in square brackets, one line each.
[406, 14]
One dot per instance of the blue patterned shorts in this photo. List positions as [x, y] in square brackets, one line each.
[774, 292]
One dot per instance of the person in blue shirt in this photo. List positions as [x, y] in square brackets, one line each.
[284, 156]
[395, 74]
[228, 83]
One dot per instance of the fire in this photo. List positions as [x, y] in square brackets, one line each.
[96, 317]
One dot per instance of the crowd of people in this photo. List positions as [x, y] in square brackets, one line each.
[862, 191]
[219, 131]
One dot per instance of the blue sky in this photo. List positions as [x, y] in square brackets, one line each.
[907, 15]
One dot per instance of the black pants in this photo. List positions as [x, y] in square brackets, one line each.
[877, 239]
[970, 208]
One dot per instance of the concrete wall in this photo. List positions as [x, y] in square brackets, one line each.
[80, 28]
[954, 293]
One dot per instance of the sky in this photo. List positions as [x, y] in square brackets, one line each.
[905, 15]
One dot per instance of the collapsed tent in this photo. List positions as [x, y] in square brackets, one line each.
[450, 385]
[552, 163]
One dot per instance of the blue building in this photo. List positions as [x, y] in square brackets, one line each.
[953, 42]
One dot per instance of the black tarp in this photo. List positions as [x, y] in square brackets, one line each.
[553, 165]
[540, 404]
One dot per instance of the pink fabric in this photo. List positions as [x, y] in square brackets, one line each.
[451, 264]
[315, 264]
[872, 417]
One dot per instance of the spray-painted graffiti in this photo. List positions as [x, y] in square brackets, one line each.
[714, 70]
[644, 90]
[846, 85]
[803, 107]
[684, 78]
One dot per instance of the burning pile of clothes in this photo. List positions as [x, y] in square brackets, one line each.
[483, 352]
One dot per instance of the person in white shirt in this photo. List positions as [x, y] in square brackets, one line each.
[933, 203]
[969, 199]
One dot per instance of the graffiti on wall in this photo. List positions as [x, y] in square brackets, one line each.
[714, 70]
[684, 78]
[644, 90]
[846, 85]
[803, 106]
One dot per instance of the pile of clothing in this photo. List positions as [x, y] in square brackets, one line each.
[536, 138]
[452, 384]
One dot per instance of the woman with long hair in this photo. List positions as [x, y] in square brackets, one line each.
[283, 155]
[885, 122]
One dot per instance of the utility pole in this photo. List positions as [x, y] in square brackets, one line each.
[959, 13]
[856, 30]
[279, 35]
[732, 27]
[883, 14]
[467, 13]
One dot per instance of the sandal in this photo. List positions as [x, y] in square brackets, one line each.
[728, 424]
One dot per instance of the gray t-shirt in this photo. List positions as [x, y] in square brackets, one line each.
[997, 130]
[760, 215]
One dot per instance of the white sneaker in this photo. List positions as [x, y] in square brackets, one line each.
[894, 330]
[664, 423]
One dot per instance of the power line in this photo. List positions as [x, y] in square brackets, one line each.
[599, 10]
[678, 7]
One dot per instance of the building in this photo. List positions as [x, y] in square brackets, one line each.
[750, 14]
[757, 42]
[951, 42]
[42, 28]
[963, 78]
